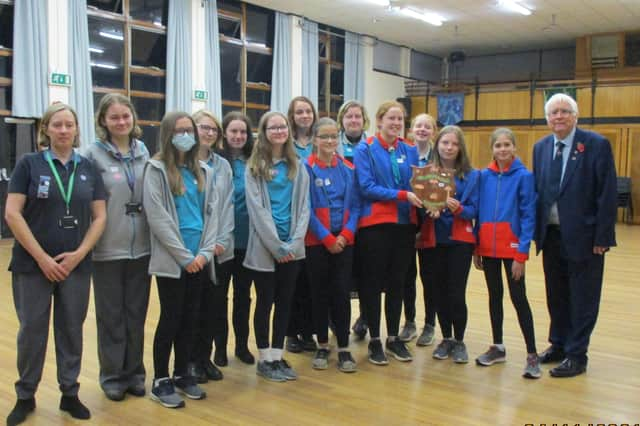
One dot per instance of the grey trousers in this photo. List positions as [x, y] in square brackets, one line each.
[32, 295]
[121, 291]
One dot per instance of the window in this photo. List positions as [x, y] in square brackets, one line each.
[246, 57]
[6, 53]
[330, 70]
[128, 46]
[632, 50]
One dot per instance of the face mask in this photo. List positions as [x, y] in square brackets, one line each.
[183, 142]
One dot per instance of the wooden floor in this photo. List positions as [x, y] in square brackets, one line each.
[425, 391]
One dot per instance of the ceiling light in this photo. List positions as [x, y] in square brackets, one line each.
[113, 36]
[95, 50]
[103, 65]
[514, 7]
[430, 18]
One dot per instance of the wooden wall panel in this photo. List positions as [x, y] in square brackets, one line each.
[538, 104]
[433, 106]
[470, 107]
[418, 105]
[615, 137]
[584, 97]
[633, 168]
[504, 105]
[619, 101]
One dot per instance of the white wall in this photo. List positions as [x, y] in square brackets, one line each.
[378, 87]
[58, 47]
[197, 56]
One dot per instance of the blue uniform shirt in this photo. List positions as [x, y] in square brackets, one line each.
[280, 192]
[241, 215]
[190, 206]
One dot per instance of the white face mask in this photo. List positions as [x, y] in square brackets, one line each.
[183, 142]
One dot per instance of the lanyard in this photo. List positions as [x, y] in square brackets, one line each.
[66, 195]
[127, 166]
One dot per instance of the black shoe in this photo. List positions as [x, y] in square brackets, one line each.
[294, 344]
[376, 353]
[197, 372]
[360, 328]
[568, 368]
[220, 358]
[213, 372]
[309, 344]
[137, 389]
[73, 406]
[114, 394]
[398, 350]
[245, 356]
[21, 410]
[551, 354]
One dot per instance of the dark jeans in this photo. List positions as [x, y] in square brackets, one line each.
[274, 288]
[300, 318]
[330, 280]
[385, 262]
[409, 294]
[448, 268]
[430, 307]
[179, 314]
[518, 293]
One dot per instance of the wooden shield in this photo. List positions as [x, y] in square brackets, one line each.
[433, 185]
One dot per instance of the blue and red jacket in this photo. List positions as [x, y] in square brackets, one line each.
[506, 220]
[462, 225]
[383, 197]
[334, 201]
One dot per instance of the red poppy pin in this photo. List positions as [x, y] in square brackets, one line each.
[580, 147]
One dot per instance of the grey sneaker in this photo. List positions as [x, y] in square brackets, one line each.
[427, 337]
[532, 369]
[443, 350]
[409, 332]
[285, 368]
[166, 395]
[321, 359]
[459, 353]
[269, 371]
[492, 356]
[189, 387]
[376, 353]
[398, 350]
[346, 363]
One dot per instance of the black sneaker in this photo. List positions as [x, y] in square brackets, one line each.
[197, 371]
[213, 372]
[220, 358]
[346, 363]
[360, 328]
[72, 405]
[294, 344]
[309, 344]
[376, 353]
[321, 359]
[245, 356]
[21, 410]
[398, 350]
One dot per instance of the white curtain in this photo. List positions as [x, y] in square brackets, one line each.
[281, 80]
[353, 67]
[179, 82]
[212, 58]
[310, 59]
[81, 94]
[30, 60]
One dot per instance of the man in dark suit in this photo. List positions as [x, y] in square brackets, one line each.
[575, 225]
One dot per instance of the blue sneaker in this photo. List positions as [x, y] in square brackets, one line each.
[165, 394]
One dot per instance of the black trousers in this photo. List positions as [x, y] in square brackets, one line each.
[301, 318]
[179, 314]
[447, 266]
[518, 293]
[573, 295]
[409, 294]
[213, 325]
[430, 307]
[385, 262]
[330, 281]
[274, 289]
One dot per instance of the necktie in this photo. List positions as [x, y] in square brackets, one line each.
[394, 165]
[555, 174]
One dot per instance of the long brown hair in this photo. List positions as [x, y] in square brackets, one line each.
[225, 151]
[290, 113]
[107, 100]
[463, 165]
[168, 154]
[261, 159]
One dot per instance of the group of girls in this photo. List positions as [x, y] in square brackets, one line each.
[310, 211]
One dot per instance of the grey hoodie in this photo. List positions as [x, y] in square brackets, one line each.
[264, 245]
[125, 236]
[223, 181]
[168, 252]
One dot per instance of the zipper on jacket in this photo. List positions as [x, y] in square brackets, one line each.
[495, 217]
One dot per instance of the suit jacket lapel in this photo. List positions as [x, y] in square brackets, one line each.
[574, 158]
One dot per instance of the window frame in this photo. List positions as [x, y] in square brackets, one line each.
[7, 52]
[325, 35]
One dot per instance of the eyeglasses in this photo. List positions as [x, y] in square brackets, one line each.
[276, 129]
[327, 137]
[208, 129]
[189, 131]
[560, 111]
